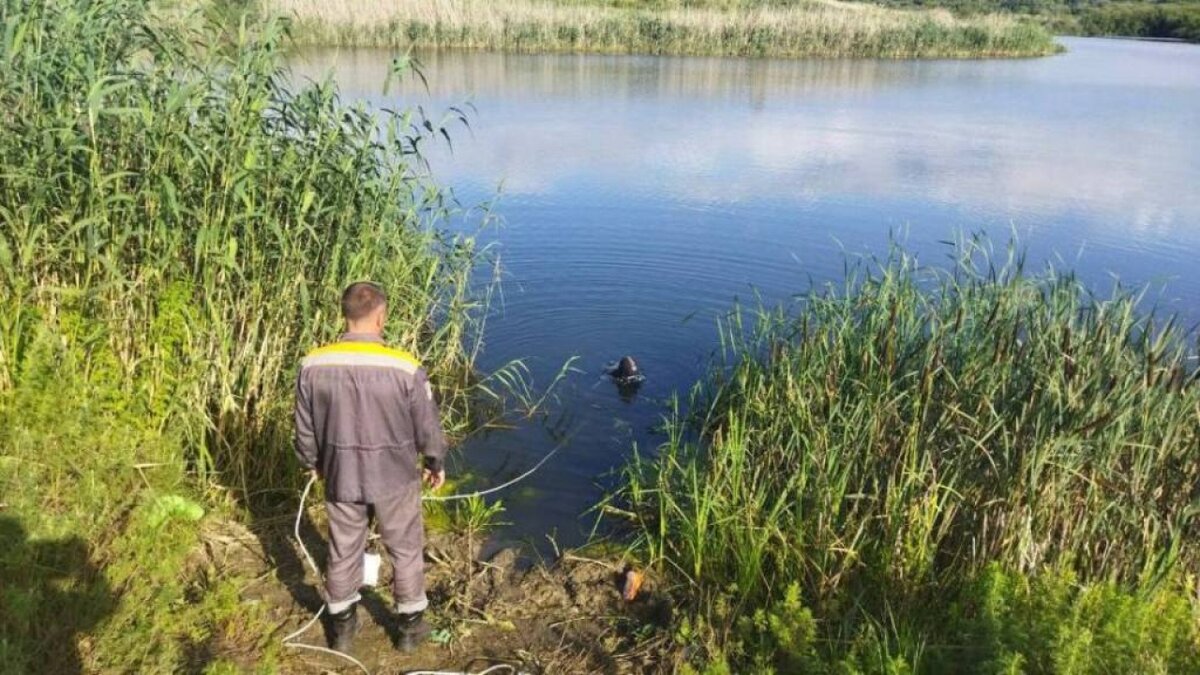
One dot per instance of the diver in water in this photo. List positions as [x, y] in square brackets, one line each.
[628, 378]
[626, 369]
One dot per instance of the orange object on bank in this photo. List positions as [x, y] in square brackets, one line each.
[633, 584]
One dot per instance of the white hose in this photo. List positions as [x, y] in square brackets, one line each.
[480, 493]
[289, 641]
[485, 671]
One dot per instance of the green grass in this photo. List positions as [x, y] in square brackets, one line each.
[890, 448]
[179, 211]
[99, 534]
[1178, 19]
[814, 28]
[176, 223]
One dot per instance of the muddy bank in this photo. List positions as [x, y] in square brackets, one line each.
[565, 616]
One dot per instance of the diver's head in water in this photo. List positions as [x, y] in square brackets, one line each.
[626, 368]
[627, 377]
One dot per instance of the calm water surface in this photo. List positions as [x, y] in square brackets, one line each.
[642, 195]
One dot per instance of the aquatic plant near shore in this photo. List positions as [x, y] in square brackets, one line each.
[885, 444]
[820, 28]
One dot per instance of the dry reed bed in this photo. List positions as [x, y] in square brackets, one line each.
[822, 28]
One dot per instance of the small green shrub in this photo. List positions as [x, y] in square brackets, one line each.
[1049, 623]
[782, 636]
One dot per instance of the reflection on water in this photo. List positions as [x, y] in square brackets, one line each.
[454, 74]
[575, 76]
[643, 194]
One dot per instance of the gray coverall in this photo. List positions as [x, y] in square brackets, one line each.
[364, 415]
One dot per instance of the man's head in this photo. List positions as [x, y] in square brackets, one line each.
[364, 306]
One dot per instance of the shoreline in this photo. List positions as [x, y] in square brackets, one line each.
[303, 47]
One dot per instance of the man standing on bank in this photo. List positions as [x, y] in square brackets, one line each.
[365, 414]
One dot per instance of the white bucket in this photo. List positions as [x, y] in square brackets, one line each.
[371, 563]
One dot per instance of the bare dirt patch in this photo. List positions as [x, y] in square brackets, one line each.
[564, 617]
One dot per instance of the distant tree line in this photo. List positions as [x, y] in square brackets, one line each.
[1174, 19]
[1178, 20]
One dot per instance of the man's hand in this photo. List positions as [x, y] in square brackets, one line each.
[435, 478]
[314, 474]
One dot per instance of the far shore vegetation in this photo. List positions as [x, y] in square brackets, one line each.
[1169, 19]
[766, 28]
[812, 28]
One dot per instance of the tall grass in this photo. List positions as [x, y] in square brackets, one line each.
[176, 223]
[816, 28]
[174, 206]
[888, 443]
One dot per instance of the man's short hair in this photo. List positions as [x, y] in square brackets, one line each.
[361, 299]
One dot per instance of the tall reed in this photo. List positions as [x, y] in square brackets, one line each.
[177, 218]
[884, 443]
[817, 28]
[180, 214]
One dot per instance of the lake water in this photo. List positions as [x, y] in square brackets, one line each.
[641, 196]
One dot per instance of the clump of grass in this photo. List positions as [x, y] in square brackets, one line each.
[99, 530]
[818, 28]
[883, 444]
